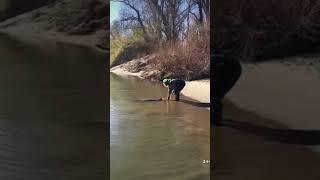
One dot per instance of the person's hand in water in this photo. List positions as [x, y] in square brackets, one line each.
[163, 99]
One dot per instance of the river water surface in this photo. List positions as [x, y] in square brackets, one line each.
[155, 140]
[52, 112]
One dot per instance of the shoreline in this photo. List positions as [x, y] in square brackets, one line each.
[249, 147]
[271, 122]
[86, 41]
[45, 24]
[198, 90]
[284, 91]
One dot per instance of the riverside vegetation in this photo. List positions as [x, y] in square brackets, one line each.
[255, 30]
[168, 38]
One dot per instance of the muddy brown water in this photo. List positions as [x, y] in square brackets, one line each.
[155, 139]
[52, 112]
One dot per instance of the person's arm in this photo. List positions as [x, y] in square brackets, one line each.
[169, 93]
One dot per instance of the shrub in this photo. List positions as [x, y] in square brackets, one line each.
[189, 59]
[254, 29]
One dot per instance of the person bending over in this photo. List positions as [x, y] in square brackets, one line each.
[174, 86]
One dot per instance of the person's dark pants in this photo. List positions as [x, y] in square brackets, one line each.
[179, 86]
[225, 75]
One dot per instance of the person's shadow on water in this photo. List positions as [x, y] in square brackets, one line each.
[193, 103]
[289, 136]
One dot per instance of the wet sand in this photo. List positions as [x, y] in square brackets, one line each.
[271, 129]
[198, 90]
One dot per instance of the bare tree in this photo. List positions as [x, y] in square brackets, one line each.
[203, 11]
[134, 17]
[115, 29]
[153, 23]
[172, 16]
[163, 19]
[206, 8]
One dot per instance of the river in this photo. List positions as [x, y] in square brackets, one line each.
[52, 112]
[155, 139]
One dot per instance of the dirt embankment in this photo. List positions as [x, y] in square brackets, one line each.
[141, 68]
[72, 21]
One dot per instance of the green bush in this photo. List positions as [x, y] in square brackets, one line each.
[124, 48]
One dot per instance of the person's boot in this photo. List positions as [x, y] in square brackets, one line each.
[178, 97]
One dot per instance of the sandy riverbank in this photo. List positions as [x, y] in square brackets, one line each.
[271, 129]
[286, 91]
[198, 90]
[56, 24]
[85, 41]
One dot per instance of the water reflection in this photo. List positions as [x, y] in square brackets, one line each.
[52, 114]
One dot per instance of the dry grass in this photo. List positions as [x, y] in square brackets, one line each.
[277, 14]
[261, 28]
[187, 60]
